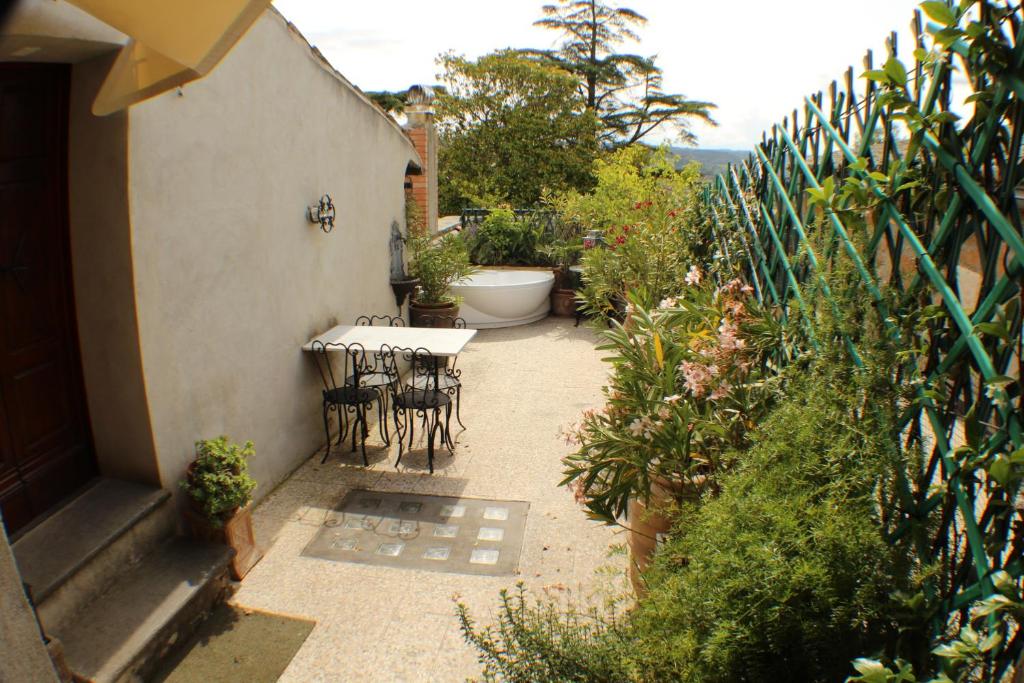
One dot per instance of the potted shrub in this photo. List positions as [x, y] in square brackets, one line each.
[684, 390]
[437, 264]
[562, 255]
[219, 491]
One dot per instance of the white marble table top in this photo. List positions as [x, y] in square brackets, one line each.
[438, 341]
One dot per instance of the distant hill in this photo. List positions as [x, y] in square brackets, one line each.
[712, 161]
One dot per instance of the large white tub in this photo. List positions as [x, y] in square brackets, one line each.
[502, 298]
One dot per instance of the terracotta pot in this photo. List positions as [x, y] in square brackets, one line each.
[236, 533]
[432, 315]
[563, 302]
[563, 278]
[649, 523]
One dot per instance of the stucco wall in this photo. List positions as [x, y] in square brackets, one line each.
[230, 277]
[101, 256]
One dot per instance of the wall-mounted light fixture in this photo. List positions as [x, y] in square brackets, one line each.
[322, 213]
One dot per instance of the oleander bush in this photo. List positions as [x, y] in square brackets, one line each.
[786, 574]
[642, 206]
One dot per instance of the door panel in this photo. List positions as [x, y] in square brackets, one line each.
[45, 446]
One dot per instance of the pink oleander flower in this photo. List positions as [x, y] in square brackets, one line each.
[674, 398]
[669, 302]
[571, 435]
[579, 491]
[641, 426]
[696, 377]
[693, 276]
[728, 341]
[721, 391]
[664, 413]
[733, 287]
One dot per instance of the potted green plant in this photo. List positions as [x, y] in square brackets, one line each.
[219, 491]
[437, 264]
[562, 255]
[683, 392]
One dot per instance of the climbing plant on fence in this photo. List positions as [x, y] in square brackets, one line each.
[909, 173]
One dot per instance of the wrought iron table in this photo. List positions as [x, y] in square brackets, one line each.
[437, 342]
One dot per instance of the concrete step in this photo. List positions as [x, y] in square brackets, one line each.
[81, 550]
[123, 634]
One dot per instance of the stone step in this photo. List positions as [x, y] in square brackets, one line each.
[123, 634]
[82, 549]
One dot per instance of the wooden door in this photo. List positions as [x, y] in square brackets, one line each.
[45, 446]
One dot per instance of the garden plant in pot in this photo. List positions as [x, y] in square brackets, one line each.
[685, 389]
[563, 254]
[219, 490]
[437, 264]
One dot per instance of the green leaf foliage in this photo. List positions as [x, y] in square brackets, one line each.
[218, 481]
[510, 130]
[437, 264]
[786, 575]
[642, 205]
[623, 90]
[505, 239]
[939, 11]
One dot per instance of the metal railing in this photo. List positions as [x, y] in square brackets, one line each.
[919, 197]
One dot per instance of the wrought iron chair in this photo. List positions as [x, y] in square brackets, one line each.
[418, 396]
[378, 374]
[349, 399]
[385, 320]
[450, 379]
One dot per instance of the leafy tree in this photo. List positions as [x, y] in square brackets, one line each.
[389, 101]
[511, 129]
[623, 90]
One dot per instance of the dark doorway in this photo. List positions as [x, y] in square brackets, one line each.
[46, 450]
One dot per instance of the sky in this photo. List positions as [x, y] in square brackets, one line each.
[756, 60]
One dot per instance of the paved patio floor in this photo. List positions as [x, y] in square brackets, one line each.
[373, 623]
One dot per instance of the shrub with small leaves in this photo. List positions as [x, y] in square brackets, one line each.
[218, 481]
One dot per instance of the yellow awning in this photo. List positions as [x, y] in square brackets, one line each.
[172, 42]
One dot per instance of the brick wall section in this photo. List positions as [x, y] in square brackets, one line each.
[423, 187]
[419, 183]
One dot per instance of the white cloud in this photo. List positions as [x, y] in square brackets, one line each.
[756, 60]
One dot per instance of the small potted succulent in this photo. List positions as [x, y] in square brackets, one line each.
[437, 264]
[219, 491]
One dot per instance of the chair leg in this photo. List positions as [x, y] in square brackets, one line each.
[399, 434]
[382, 421]
[327, 431]
[361, 411]
[343, 423]
[355, 428]
[410, 424]
[433, 425]
[458, 402]
[448, 441]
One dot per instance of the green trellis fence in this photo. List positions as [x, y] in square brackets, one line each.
[924, 206]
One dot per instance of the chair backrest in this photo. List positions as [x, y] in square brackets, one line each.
[441, 321]
[382, 320]
[423, 366]
[352, 359]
